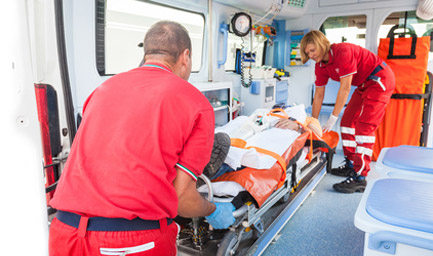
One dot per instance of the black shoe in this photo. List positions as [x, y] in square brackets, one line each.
[220, 150]
[350, 185]
[344, 170]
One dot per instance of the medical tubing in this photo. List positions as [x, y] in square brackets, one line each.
[242, 67]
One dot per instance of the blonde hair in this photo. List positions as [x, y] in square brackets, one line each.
[318, 39]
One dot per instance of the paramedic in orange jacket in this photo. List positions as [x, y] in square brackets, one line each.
[351, 65]
[145, 136]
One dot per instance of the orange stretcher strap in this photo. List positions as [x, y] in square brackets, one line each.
[240, 143]
[279, 112]
[279, 158]
[310, 152]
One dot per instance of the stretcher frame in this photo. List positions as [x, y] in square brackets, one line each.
[255, 228]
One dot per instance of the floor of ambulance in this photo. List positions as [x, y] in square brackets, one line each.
[323, 225]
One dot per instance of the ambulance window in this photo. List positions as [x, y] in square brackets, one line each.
[235, 43]
[413, 24]
[349, 29]
[122, 24]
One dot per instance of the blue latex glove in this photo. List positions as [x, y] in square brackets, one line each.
[222, 217]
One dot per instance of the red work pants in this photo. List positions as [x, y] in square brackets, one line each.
[361, 118]
[65, 240]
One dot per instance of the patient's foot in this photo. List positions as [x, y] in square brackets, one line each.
[351, 185]
[220, 150]
[344, 170]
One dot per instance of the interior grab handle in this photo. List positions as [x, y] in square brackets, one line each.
[224, 31]
[385, 241]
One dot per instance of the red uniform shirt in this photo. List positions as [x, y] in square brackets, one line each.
[347, 59]
[137, 126]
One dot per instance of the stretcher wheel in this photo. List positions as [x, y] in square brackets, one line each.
[228, 244]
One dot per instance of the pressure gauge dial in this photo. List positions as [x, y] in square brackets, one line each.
[241, 24]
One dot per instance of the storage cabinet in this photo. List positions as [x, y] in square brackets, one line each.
[261, 94]
[282, 91]
[219, 95]
[293, 39]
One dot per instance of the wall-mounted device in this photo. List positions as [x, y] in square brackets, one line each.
[241, 25]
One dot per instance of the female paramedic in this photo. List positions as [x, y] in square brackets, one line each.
[351, 65]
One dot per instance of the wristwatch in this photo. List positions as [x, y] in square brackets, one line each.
[299, 125]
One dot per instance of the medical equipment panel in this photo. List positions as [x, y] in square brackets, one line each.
[261, 94]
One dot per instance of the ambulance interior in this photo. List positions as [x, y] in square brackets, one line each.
[246, 57]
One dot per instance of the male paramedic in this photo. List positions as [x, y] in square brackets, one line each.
[350, 65]
[145, 136]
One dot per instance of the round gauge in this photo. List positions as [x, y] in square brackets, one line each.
[241, 24]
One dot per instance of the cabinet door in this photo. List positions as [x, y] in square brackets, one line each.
[220, 99]
[282, 92]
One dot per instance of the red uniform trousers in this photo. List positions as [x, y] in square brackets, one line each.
[65, 240]
[362, 116]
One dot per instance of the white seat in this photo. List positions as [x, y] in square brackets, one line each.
[396, 216]
[408, 162]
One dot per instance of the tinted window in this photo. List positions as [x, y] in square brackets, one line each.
[349, 29]
[126, 23]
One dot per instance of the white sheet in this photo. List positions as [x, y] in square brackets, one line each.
[223, 188]
[264, 136]
[231, 188]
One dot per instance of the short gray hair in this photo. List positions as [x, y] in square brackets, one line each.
[167, 38]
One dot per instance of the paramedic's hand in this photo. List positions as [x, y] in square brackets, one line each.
[330, 123]
[222, 217]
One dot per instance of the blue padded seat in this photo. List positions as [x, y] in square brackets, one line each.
[410, 158]
[331, 92]
[402, 203]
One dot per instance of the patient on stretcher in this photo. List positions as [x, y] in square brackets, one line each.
[239, 167]
[271, 130]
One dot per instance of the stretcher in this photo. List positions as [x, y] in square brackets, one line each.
[264, 202]
[395, 210]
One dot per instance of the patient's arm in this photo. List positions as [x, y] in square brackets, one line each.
[287, 124]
